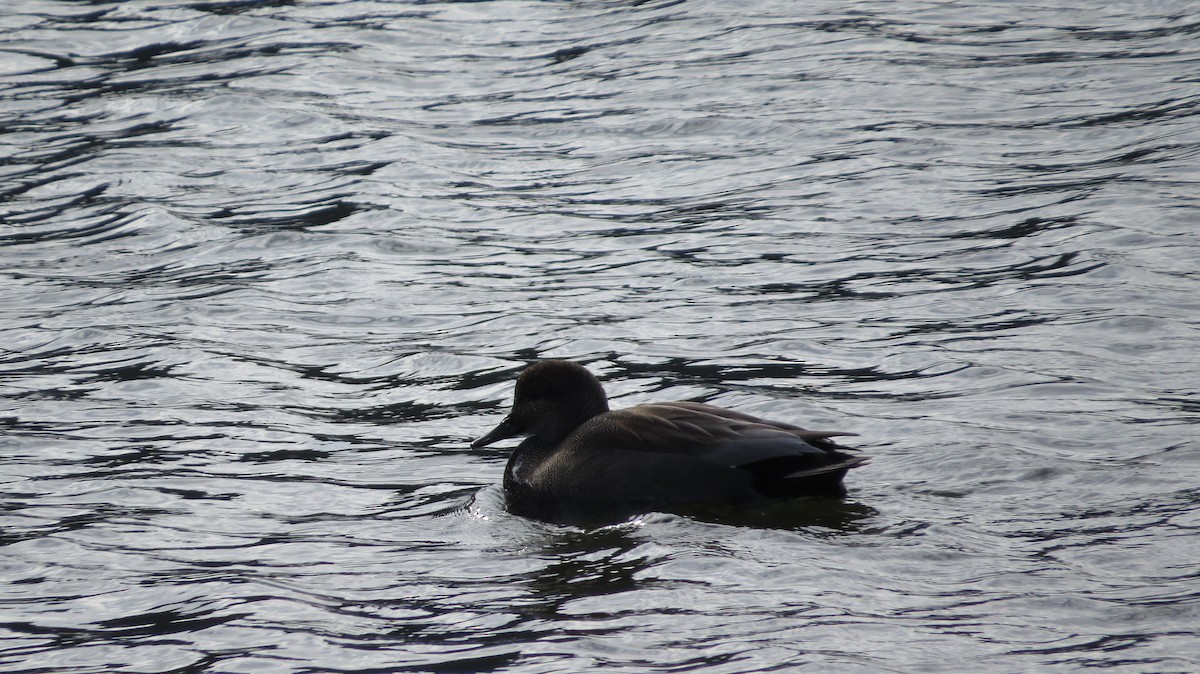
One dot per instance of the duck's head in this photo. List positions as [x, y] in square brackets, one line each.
[552, 398]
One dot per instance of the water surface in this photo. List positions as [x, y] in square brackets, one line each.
[267, 268]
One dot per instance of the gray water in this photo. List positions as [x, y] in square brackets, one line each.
[268, 267]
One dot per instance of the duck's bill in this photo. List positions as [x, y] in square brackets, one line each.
[506, 429]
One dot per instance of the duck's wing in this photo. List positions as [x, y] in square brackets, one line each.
[714, 434]
[685, 408]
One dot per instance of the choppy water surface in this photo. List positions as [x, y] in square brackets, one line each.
[267, 267]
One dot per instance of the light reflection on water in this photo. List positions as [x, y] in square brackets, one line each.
[267, 268]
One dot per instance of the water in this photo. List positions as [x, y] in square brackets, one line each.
[267, 268]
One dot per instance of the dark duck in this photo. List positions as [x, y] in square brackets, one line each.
[582, 463]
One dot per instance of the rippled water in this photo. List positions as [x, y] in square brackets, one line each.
[267, 267]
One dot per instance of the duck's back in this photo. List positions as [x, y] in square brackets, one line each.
[708, 432]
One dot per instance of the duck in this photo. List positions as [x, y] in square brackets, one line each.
[581, 463]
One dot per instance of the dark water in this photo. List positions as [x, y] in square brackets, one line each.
[267, 267]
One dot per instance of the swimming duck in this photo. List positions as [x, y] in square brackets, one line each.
[585, 464]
